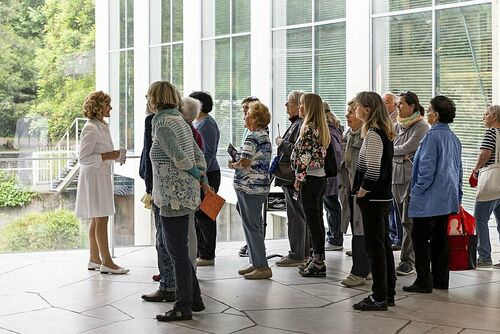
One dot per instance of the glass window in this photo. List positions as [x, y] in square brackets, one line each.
[402, 54]
[121, 23]
[241, 16]
[383, 6]
[464, 73]
[241, 83]
[216, 17]
[290, 12]
[330, 65]
[329, 10]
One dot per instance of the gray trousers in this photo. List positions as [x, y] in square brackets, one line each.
[402, 198]
[298, 233]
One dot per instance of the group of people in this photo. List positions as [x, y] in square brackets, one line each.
[395, 164]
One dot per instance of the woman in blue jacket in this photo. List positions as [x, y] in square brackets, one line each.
[436, 191]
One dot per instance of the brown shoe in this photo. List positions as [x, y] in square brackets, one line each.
[204, 262]
[246, 270]
[259, 273]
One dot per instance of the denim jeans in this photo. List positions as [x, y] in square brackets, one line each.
[165, 265]
[482, 213]
[250, 209]
[175, 236]
[395, 226]
[311, 195]
[334, 235]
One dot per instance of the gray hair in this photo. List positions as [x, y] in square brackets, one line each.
[394, 97]
[191, 107]
[494, 110]
[295, 95]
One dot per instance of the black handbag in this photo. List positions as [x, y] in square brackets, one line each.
[330, 162]
[284, 171]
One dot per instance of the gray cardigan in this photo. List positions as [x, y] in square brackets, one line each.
[347, 171]
[405, 145]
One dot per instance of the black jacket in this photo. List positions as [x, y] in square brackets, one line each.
[287, 146]
[145, 167]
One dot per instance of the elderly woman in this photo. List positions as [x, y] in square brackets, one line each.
[351, 214]
[178, 169]
[308, 161]
[252, 183]
[334, 236]
[94, 194]
[436, 191]
[372, 183]
[410, 129]
[298, 234]
[484, 209]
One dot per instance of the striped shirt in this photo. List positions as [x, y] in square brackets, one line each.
[370, 156]
[489, 143]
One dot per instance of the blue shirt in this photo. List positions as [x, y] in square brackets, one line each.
[255, 178]
[211, 135]
[436, 186]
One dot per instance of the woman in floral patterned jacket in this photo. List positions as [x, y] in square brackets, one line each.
[308, 160]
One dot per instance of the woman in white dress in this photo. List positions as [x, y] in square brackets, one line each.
[94, 195]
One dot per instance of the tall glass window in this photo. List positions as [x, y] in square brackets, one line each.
[226, 63]
[166, 41]
[443, 49]
[121, 65]
[309, 39]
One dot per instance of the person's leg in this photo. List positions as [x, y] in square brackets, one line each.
[360, 260]
[335, 236]
[496, 212]
[165, 264]
[312, 193]
[102, 242]
[482, 213]
[421, 232]
[375, 215]
[389, 257]
[440, 253]
[192, 241]
[93, 247]
[207, 228]
[252, 221]
[175, 234]
[296, 225]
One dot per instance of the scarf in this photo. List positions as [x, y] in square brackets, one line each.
[409, 121]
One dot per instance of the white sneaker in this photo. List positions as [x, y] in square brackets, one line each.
[120, 271]
[330, 247]
[352, 281]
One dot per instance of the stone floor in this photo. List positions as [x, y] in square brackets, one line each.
[53, 293]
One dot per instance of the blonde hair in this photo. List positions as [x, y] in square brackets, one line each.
[378, 115]
[260, 112]
[494, 110]
[330, 117]
[190, 108]
[352, 103]
[314, 113]
[163, 95]
[95, 103]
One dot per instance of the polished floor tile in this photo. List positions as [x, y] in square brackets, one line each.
[53, 292]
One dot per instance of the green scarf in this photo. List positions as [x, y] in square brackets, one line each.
[409, 121]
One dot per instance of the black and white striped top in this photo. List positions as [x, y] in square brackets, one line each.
[489, 143]
[374, 169]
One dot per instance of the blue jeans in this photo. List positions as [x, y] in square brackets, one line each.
[395, 224]
[482, 213]
[165, 265]
[250, 209]
[175, 237]
[334, 235]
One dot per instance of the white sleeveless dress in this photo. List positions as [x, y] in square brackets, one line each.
[94, 194]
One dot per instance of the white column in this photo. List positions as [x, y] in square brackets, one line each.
[192, 46]
[101, 45]
[495, 32]
[358, 42]
[142, 221]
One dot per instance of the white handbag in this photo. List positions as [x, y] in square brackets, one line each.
[488, 185]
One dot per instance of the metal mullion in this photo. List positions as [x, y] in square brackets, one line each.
[231, 70]
[307, 25]
[313, 47]
[226, 36]
[434, 45]
[432, 7]
[171, 39]
[120, 50]
[166, 44]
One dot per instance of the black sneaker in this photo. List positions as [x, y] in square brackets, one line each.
[314, 270]
[174, 315]
[243, 252]
[369, 304]
[198, 306]
[391, 302]
[160, 296]
[305, 264]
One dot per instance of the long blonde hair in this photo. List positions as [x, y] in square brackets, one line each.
[315, 113]
[379, 118]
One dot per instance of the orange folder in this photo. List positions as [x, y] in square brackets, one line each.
[212, 204]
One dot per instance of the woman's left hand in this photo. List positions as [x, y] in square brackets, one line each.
[206, 188]
[362, 193]
[297, 185]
